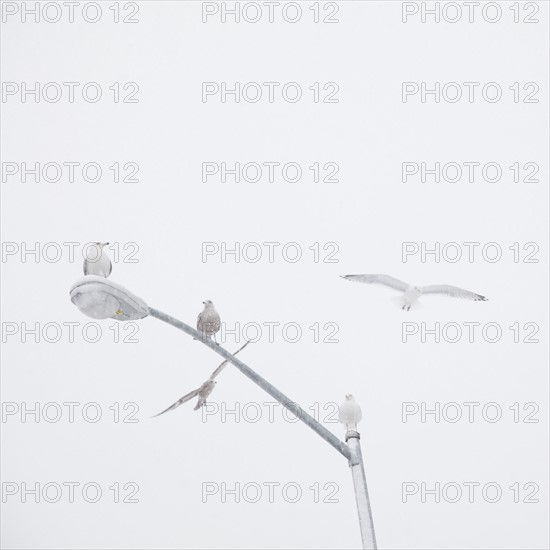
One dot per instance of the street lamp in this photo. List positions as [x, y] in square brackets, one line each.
[100, 298]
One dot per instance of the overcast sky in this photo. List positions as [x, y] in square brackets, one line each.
[172, 222]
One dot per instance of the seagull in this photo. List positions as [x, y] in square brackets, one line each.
[208, 321]
[204, 390]
[412, 293]
[350, 413]
[100, 265]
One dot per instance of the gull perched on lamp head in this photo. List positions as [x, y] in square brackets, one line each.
[100, 264]
[412, 293]
[208, 321]
[350, 413]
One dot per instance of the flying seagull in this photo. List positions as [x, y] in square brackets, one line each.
[208, 321]
[100, 264]
[412, 293]
[203, 391]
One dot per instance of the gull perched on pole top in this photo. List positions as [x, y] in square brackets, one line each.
[412, 293]
[208, 321]
[349, 413]
[99, 265]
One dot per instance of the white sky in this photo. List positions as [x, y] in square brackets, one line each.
[369, 213]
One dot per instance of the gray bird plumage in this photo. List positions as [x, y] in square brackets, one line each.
[208, 321]
[412, 293]
[204, 390]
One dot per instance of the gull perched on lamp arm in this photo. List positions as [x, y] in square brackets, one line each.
[101, 298]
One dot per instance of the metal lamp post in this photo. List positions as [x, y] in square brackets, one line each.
[350, 415]
[100, 298]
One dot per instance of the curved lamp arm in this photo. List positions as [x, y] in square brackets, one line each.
[307, 419]
[101, 298]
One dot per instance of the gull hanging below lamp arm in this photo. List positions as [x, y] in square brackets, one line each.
[307, 419]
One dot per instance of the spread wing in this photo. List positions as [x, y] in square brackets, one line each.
[380, 279]
[196, 392]
[180, 401]
[220, 368]
[453, 291]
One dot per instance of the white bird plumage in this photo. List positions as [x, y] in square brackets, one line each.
[350, 413]
[99, 263]
[412, 293]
